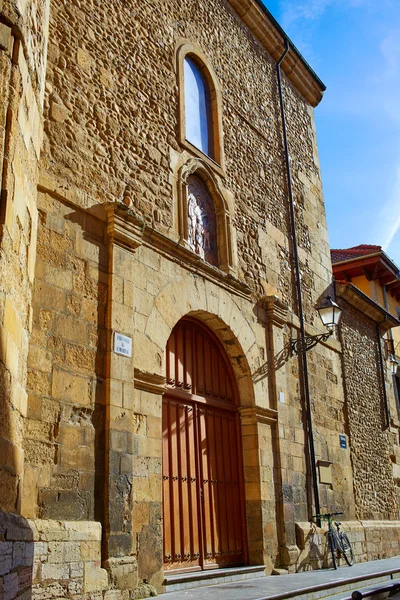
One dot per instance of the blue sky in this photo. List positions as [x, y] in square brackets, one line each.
[354, 47]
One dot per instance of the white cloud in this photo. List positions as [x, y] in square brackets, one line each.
[391, 212]
[312, 10]
[300, 18]
[388, 79]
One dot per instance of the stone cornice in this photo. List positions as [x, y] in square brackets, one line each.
[272, 37]
[129, 230]
[149, 382]
[256, 414]
[364, 304]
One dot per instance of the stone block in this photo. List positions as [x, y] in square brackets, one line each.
[47, 296]
[5, 37]
[70, 328]
[12, 321]
[77, 570]
[121, 442]
[54, 572]
[6, 557]
[124, 572]
[95, 579]
[71, 387]
[121, 419]
[58, 112]
[84, 59]
[10, 586]
[63, 552]
[121, 367]
[80, 458]
[80, 358]
[90, 551]
[122, 318]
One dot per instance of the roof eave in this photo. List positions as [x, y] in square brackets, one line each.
[366, 305]
[271, 35]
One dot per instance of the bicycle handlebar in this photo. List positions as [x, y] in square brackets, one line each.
[327, 516]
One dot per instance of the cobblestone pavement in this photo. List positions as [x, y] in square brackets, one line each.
[275, 587]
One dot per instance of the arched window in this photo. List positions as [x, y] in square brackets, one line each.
[201, 221]
[197, 108]
[200, 107]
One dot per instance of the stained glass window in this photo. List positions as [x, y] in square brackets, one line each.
[202, 224]
[196, 108]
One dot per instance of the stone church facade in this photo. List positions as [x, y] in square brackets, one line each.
[152, 416]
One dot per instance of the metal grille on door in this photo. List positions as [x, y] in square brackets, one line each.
[202, 465]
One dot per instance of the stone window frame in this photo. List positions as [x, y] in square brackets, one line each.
[189, 49]
[222, 206]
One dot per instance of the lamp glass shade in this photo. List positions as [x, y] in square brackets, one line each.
[330, 313]
[393, 364]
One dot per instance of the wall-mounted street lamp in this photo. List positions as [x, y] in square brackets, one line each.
[330, 314]
[393, 364]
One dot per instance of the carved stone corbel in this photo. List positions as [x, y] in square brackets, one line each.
[124, 227]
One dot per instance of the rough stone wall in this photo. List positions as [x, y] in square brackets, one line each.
[370, 440]
[49, 559]
[63, 430]
[115, 112]
[22, 69]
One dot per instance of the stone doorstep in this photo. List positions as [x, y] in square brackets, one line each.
[183, 581]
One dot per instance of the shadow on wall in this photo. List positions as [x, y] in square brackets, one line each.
[313, 548]
[9, 429]
[16, 557]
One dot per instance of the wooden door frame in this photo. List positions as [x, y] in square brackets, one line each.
[180, 395]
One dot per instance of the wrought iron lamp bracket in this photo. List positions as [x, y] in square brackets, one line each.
[298, 347]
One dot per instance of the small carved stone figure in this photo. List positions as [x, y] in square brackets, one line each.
[202, 237]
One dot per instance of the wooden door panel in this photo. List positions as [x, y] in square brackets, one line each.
[223, 531]
[181, 503]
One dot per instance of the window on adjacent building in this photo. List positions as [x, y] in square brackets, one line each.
[197, 108]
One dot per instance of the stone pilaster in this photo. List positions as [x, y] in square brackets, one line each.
[278, 353]
[119, 544]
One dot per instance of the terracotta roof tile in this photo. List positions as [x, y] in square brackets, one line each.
[354, 252]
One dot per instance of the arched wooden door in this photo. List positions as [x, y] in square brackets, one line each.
[204, 521]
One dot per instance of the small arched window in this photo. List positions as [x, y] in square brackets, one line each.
[197, 108]
[201, 221]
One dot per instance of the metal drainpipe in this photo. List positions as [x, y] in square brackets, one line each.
[303, 355]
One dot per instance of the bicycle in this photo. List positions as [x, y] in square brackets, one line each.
[337, 539]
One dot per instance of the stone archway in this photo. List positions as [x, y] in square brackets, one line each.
[232, 321]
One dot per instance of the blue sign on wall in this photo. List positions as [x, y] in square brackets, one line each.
[343, 441]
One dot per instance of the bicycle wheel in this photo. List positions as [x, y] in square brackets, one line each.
[332, 547]
[346, 549]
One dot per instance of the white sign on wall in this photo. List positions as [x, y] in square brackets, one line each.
[122, 345]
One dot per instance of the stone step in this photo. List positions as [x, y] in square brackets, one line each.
[324, 584]
[338, 590]
[379, 589]
[184, 581]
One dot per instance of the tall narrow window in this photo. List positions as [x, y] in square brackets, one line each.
[197, 108]
[202, 224]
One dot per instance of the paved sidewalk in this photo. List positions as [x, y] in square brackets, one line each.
[278, 586]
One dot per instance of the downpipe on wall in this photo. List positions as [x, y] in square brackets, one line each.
[303, 355]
